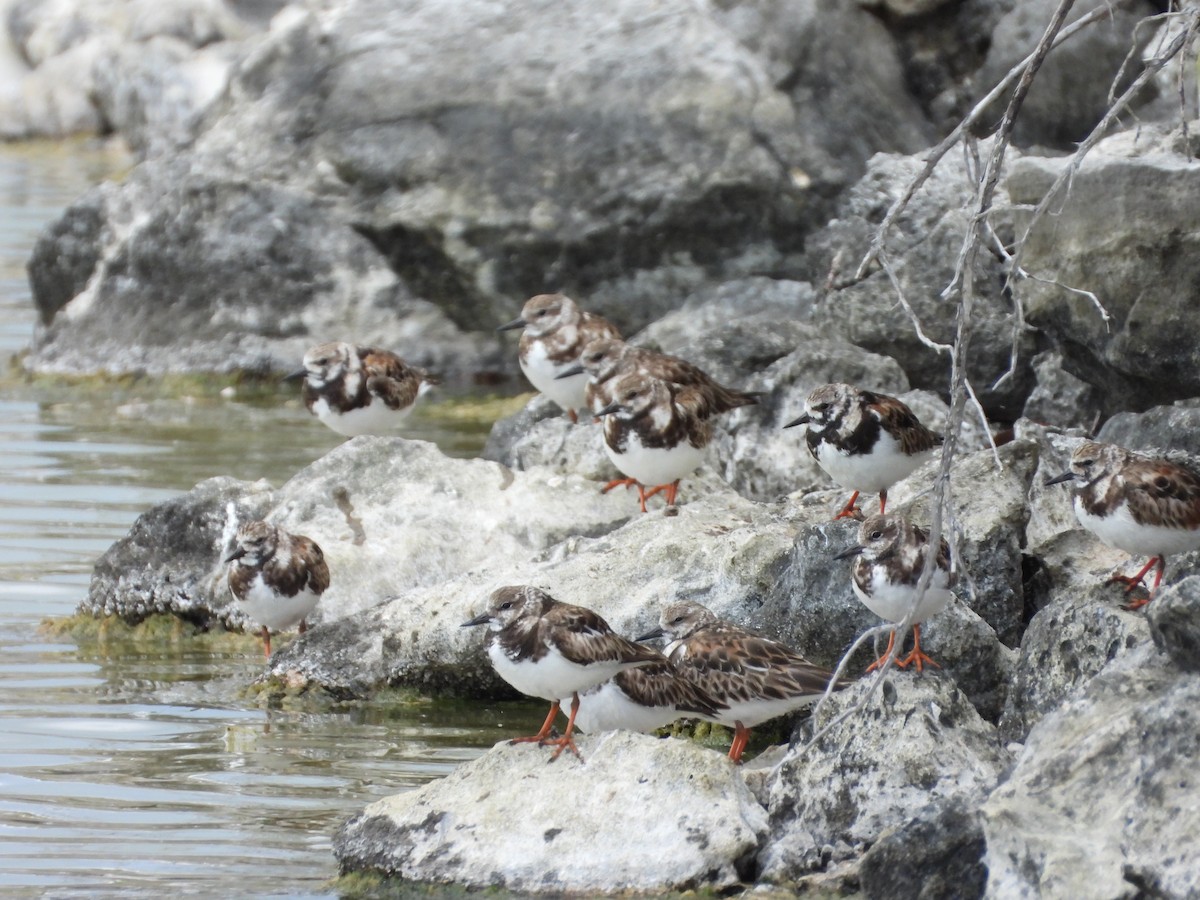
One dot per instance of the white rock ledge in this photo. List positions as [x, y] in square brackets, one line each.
[638, 814]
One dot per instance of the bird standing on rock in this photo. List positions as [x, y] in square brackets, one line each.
[864, 441]
[276, 577]
[555, 332]
[655, 434]
[890, 556]
[1141, 504]
[553, 650]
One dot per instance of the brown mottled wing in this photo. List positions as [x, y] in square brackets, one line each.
[240, 578]
[658, 684]
[943, 557]
[680, 372]
[693, 409]
[306, 568]
[391, 379]
[740, 667]
[583, 637]
[594, 328]
[902, 423]
[1161, 492]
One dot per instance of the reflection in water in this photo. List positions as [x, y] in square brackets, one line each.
[147, 768]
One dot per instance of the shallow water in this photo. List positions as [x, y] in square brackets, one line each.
[137, 768]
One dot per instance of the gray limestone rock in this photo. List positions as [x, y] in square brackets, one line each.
[1174, 619]
[922, 249]
[917, 740]
[1071, 91]
[1102, 800]
[170, 562]
[1124, 233]
[1059, 398]
[937, 855]
[1159, 429]
[1067, 644]
[643, 815]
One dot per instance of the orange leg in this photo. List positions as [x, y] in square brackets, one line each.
[618, 482]
[573, 416]
[540, 737]
[642, 495]
[915, 655]
[741, 737]
[671, 490]
[566, 740]
[849, 511]
[878, 664]
[882, 502]
[1132, 582]
[266, 642]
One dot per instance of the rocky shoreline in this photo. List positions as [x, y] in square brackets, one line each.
[708, 177]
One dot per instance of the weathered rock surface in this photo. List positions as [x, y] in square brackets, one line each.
[390, 515]
[1059, 398]
[1102, 800]
[1122, 233]
[687, 821]
[917, 741]
[922, 248]
[1158, 430]
[1174, 619]
[142, 68]
[1071, 91]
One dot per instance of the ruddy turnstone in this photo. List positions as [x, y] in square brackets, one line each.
[891, 554]
[276, 577]
[755, 677]
[1145, 505]
[360, 390]
[643, 699]
[864, 441]
[655, 433]
[605, 360]
[553, 650]
[556, 331]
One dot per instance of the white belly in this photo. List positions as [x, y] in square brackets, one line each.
[608, 708]
[552, 677]
[376, 418]
[1120, 530]
[276, 612]
[892, 602]
[568, 392]
[656, 465]
[755, 712]
[871, 473]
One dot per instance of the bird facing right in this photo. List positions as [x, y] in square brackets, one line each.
[890, 556]
[1146, 505]
[755, 677]
[863, 440]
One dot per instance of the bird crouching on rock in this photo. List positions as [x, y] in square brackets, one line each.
[554, 650]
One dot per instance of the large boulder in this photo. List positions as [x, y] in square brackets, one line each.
[914, 741]
[633, 160]
[636, 814]
[1102, 800]
[1123, 232]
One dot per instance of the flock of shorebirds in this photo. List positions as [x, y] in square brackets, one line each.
[657, 412]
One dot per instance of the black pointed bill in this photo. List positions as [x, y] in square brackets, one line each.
[237, 553]
[482, 619]
[649, 636]
[295, 376]
[850, 551]
[1059, 479]
[803, 420]
[608, 410]
[513, 325]
[576, 369]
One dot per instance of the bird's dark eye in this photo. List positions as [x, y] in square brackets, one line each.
[876, 535]
[1086, 463]
[507, 604]
[821, 407]
[677, 620]
[542, 312]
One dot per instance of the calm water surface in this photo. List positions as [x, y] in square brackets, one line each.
[134, 769]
